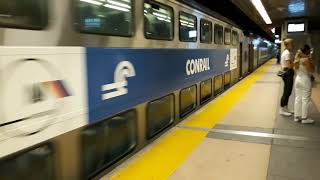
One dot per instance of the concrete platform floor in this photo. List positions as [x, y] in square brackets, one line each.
[292, 152]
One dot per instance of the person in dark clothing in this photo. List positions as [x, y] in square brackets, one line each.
[278, 56]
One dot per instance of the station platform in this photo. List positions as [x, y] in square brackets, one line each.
[237, 136]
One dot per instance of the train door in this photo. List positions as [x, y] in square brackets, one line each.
[251, 58]
[241, 61]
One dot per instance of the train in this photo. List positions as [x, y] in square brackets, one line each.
[85, 84]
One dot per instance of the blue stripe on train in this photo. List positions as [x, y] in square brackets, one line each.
[121, 78]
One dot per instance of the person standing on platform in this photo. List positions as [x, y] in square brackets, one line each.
[278, 55]
[288, 77]
[304, 68]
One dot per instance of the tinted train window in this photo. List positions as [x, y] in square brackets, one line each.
[188, 27]
[158, 21]
[160, 114]
[205, 31]
[227, 36]
[36, 164]
[27, 14]
[218, 84]
[105, 142]
[188, 100]
[235, 38]
[112, 17]
[227, 79]
[218, 34]
[205, 90]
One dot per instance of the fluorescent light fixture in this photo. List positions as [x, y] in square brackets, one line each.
[163, 19]
[119, 4]
[262, 11]
[92, 2]
[183, 24]
[273, 30]
[116, 7]
[183, 21]
[159, 15]
[160, 18]
[295, 27]
[186, 18]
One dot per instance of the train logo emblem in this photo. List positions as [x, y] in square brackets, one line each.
[31, 104]
[124, 70]
[199, 65]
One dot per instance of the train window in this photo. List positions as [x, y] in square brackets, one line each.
[107, 141]
[218, 34]
[188, 27]
[227, 36]
[188, 100]
[160, 114]
[235, 38]
[218, 84]
[158, 21]
[37, 164]
[25, 14]
[227, 80]
[112, 17]
[205, 90]
[205, 31]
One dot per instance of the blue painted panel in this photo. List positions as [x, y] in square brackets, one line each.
[143, 75]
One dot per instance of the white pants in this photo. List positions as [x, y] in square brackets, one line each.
[303, 88]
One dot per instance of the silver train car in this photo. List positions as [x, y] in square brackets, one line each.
[84, 84]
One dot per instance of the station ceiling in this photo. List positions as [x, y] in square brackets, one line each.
[245, 15]
[230, 10]
[280, 10]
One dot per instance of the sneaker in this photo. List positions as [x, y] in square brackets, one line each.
[307, 121]
[284, 113]
[297, 119]
[288, 110]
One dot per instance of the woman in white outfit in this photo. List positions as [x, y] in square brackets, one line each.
[304, 68]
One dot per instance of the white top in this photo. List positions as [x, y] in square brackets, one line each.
[302, 71]
[286, 56]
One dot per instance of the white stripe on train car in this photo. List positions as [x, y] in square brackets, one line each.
[23, 123]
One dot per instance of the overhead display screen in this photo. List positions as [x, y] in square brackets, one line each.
[296, 27]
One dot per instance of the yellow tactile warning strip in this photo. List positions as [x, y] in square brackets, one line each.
[165, 156]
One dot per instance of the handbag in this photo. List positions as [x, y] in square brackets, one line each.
[313, 79]
[281, 73]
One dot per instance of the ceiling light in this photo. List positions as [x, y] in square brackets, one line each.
[262, 11]
[116, 7]
[91, 2]
[119, 4]
[159, 15]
